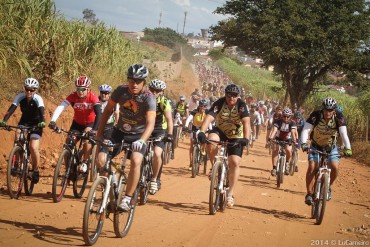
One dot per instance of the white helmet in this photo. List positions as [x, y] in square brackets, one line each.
[31, 82]
[105, 88]
[182, 97]
[157, 84]
[287, 112]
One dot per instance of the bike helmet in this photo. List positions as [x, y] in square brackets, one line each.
[287, 112]
[232, 88]
[157, 84]
[329, 103]
[83, 81]
[261, 102]
[31, 83]
[138, 71]
[105, 88]
[182, 97]
[297, 114]
[203, 102]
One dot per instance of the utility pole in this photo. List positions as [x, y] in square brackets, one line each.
[183, 28]
[160, 19]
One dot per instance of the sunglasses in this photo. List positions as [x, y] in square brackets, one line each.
[81, 89]
[30, 89]
[286, 116]
[231, 95]
[105, 92]
[329, 110]
[136, 81]
[156, 91]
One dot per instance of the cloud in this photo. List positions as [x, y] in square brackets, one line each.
[182, 3]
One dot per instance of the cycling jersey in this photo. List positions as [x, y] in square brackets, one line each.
[163, 105]
[284, 129]
[229, 121]
[181, 108]
[83, 108]
[103, 104]
[133, 109]
[197, 118]
[32, 111]
[323, 132]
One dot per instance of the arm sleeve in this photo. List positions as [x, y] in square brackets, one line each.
[306, 129]
[98, 114]
[9, 112]
[42, 113]
[59, 110]
[344, 136]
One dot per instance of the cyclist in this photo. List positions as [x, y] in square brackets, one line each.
[135, 124]
[232, 124]
[194, 102]
[33, 114]
[86, 116]
[163, 124]
[105, 91]
[299, 120]
[275, 115]
[183, 109]
[284, 130]
[256, 121]
[197, 117]
[325, 125]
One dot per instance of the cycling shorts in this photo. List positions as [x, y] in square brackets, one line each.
[233, 150]
[316, 156]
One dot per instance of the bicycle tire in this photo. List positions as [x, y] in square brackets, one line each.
[205, 160]
[214, 192]
[80, 181]
[223, 197]
[122, 221]
[321, 204]
[169, 152]
[196, 161]
[280, 172]
[144, 184]
[293, 162]
[28, 183]
[93, 220]
[175, 137]
[61, 178]
[93, 169]
[15, 173]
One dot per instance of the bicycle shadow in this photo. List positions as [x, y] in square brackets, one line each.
[254, 168]
[182, 207]
[47, 233]
[283, 215]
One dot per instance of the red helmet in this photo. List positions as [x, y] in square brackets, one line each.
[83, 81]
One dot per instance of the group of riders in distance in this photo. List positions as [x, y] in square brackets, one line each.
[138, 111]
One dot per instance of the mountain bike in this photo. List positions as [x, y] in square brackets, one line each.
[281, 162]
[219, 178]
[198, 159]
[105, 195]
[67, 170]
[19, 173]
[322, 185]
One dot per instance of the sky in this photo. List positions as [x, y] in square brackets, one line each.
[135, 15]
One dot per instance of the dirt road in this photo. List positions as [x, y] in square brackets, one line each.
[178, 214]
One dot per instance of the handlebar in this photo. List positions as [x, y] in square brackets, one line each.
[21, 127]
[223, 143]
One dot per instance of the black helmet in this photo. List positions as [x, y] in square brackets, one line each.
[232, 88]
[297, 114]
[138, 71]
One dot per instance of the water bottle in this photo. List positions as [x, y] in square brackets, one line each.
[114, 179]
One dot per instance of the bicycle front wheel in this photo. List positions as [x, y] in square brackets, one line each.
[16, 172]
[214, 192]
[93, 218]
[122, 221]
[60, 180]
[93, 171]
[80, 181]
[321, 201]
[196, 161]
[144, 184]
[293, 162]
[280, 172]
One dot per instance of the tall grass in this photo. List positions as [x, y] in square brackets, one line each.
[36, 42]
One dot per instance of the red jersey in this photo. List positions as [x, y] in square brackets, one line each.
[83, 108]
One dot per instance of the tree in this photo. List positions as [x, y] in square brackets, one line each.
[90, 17]
[302, 39]
[164, 36]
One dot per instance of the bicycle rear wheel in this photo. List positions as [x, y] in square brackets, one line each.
[16, 172]
[93, 218]
[214, 192]
[122, 221]
[80, 181]
[196, 161]
[321, 201]
[60, 180]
